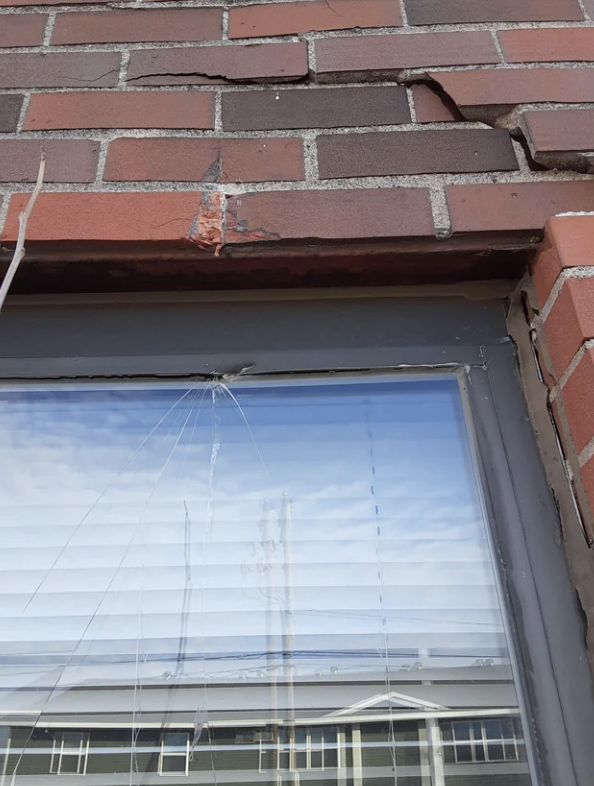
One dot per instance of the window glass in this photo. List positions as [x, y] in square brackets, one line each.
[302, 565]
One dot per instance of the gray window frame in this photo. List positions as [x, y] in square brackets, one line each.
[198, 337]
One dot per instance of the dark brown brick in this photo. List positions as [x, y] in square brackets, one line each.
[515, 206]
[547, 44]
[10, 111]
[64, 69]
[302, 17]
[376, 56]
[208, 64]
[517, 85]
[129, 109]
[429, 107]
[329, 215]
[314, 108]
[561, 129]
[22, 30]
[415, 152]
[438, 12]
[67, 161]
[174, 24]
[205, 160]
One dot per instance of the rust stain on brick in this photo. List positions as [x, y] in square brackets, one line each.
[206, 229]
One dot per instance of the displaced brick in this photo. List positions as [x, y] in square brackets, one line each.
[415, 152]
[568, 242]
[22, 29]
[104, 27]
[329, 215]
[208, 64]
[578, 396]
[130, 109]
[570, 322]
[115, 218]
[547, 45]
[314, 108]
[515, 206]
[10, 111]
[376, 56]
[302, 17]
[560, 130]
[63, 69]
[429, 107]
[439, 12]
[517, 85]
[205, 160]
[67, 161]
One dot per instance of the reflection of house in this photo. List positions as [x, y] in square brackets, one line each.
[393, 738]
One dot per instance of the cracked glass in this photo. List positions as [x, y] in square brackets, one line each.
[260, 581]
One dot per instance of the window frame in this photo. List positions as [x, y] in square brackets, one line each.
[200, 337]
[483, 742]
[176, 754]
[82, 755]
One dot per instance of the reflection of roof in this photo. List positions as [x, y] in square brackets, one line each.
[392, 699]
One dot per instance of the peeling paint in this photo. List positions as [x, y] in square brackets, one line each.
[206, 229]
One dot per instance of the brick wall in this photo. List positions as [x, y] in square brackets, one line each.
[218, 125]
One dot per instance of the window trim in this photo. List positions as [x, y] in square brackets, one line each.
[484, 742]
[67, 339]
[176, 754]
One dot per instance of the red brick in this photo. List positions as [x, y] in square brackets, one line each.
[302, 17]
[429, 107]
[105, 27]
[547, 45]
[570, 322]
[578, 395]
[560, 130]
[67, 160]
[129, 217]
[63, 69]
[4, 3]
[314, 108]
[587, 472]
[129, 109]
[568, 242]
[205, 160]
[22, 30]
[517, 85]
[515, 206]
[439, 12]
[415, 152]
[329, 215]
[377, 56]
[208, 64]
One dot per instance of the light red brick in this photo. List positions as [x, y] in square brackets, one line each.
[376, 56]
[59, 69]
[560, 130]
[429, 107]
[578, 396]
[129, 109]
[122, 26]
[22, 30]
[109, 218]
[570, 322]
[329, 215]
[547, 45]
[502, 207]
[568, 243]
[517, 85]
[302, 17]
[205, 160]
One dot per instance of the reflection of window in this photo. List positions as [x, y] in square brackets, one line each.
[489, 740]
[301, 749]
[70, 753]
[175, 753]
